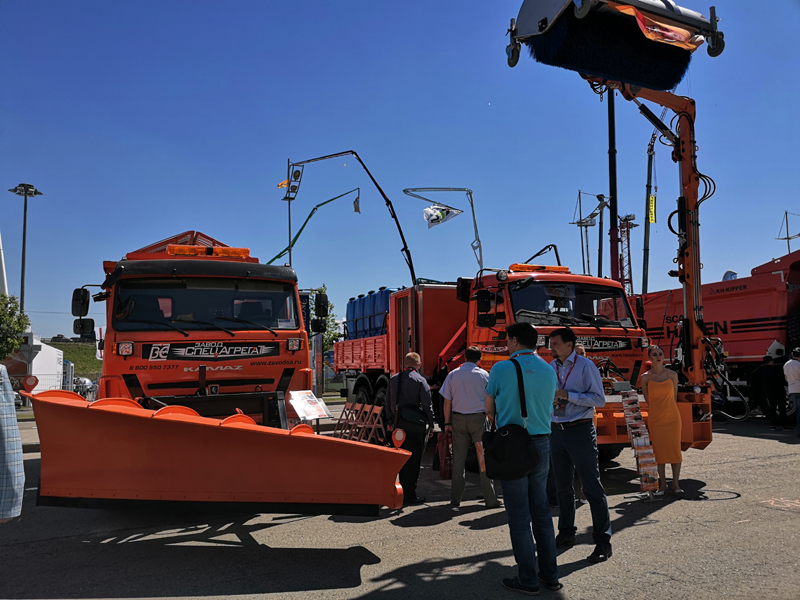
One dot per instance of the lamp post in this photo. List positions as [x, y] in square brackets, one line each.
[24, 190]
[295, 172]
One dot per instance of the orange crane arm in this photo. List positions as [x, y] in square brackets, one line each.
[688, 272]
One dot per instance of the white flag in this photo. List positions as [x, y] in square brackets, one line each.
[436, 215]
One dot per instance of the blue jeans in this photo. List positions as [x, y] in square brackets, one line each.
[526, 503]
[575, 449]
[796, 399]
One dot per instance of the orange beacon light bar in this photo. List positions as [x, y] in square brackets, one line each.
[523, 268]
[180, 250]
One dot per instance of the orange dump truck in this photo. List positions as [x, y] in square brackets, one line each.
[439, 321]
[202, 348]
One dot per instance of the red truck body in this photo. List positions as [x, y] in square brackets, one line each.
[753, 316]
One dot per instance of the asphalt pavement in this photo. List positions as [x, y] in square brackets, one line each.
[735, 534]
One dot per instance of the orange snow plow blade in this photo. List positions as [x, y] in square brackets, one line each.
[113, 449]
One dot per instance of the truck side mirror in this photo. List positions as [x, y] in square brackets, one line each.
[484, 301]
[485, 320]
[318, 326]
[464, 289]
[321, 306]
[80, 302]
[639, 308]
[83, 326]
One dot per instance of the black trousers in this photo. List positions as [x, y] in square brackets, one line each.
[409, 474]
[777, 404]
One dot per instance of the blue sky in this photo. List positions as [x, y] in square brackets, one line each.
[138, 120]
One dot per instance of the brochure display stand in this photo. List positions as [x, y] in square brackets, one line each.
[308, 407]
[642, 448]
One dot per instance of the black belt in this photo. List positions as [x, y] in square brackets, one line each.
[569, 424]
[540, 435]
[468, 414]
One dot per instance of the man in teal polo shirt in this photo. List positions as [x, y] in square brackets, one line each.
[526, 499]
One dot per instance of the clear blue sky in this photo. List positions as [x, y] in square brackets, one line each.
[141, 119]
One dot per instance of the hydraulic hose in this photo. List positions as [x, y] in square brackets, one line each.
[746, 413]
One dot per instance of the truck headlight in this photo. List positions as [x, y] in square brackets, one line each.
[644, 342]
[125, 348]
[294, 344]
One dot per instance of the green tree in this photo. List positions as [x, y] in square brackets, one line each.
[13, 324]
[332, 333]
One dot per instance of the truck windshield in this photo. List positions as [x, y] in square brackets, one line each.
[559, 304]
[204, 303]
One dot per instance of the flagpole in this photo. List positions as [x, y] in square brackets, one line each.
[308, 218]
[289, 204]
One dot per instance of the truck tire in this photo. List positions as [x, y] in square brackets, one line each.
[608, 453]
[793, 330]
[380, 396]
[362, 395]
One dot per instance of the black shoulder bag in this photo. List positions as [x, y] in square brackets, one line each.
[510, 453]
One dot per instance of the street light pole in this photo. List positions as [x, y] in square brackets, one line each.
[24, 190]
[296, 171]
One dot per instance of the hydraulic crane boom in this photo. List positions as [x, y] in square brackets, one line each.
[688, 272]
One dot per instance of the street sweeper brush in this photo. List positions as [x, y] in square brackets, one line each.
[647, 43]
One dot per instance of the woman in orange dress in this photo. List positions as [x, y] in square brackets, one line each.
[660, 388]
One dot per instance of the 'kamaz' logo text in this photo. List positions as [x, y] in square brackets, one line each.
[221, 368]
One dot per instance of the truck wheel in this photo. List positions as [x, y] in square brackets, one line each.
[608, 453]
[362, 396]
[793, 329]
[380, 396]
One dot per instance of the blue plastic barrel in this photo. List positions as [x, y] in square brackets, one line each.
[350, 319]
[381, 308]
[369, 312]
[359, 317]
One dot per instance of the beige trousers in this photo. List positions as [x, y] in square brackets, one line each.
[466, 429]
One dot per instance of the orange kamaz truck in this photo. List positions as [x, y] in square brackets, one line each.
[440, 320]
[203, 348]
[192, 321]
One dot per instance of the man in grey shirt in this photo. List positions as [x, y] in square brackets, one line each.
[464, 393]
[409, 389]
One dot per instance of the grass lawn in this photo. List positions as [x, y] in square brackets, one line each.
[82, 355]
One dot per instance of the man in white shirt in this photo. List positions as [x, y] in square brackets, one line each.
[464, 393]
[791, 370]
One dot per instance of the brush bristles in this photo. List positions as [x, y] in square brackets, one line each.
[609, 44]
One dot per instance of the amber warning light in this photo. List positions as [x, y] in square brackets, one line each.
[523, 268]
[180, 250]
